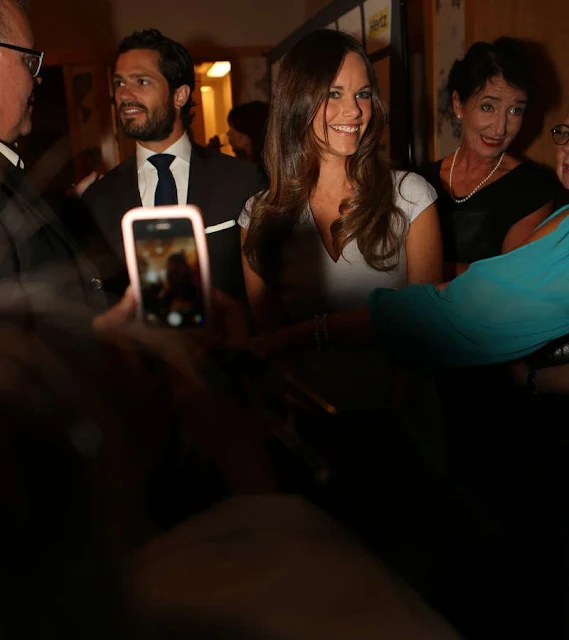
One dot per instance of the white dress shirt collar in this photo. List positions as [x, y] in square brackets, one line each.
[182, 149]
[11, 155]
[180, 168]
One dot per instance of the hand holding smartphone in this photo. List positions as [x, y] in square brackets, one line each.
[168, 265]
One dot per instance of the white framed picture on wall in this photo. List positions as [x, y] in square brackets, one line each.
[351, 22]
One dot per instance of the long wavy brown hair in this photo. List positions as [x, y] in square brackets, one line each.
[292, 158]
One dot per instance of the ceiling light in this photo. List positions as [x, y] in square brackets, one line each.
[219, 69]
[205, 88]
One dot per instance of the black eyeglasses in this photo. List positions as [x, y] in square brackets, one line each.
[32, 59]
[560, 134]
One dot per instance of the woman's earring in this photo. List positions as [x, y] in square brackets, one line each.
[456, 126]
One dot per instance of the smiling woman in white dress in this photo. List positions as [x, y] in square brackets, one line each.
[336, 221]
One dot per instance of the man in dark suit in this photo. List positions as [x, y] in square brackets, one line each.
[154, 80]
[42, 269]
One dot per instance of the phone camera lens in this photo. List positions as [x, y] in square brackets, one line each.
[174, 318]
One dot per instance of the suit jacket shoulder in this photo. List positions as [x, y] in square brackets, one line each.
[221, 185]
[221, 160]
[123, 177]
[218, 184]
[109, 198]
[36, 248]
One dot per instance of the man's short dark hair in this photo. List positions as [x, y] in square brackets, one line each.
[175, 62]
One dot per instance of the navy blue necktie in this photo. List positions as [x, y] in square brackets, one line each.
[166, 192]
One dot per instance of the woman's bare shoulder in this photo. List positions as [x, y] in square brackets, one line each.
[547, 227]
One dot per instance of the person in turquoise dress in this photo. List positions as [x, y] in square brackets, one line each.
[500, 309]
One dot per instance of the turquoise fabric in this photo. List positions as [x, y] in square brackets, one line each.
[500, 309]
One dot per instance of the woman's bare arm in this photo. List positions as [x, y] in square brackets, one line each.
[550, 380]
[423, 247]
[547, 228]
[351, 328]
[268, 311]
[522, 232]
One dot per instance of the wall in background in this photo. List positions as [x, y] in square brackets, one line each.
[448, 45]
[65, 26]
[314, 6]
[216, 22]
[72, 25]
[85, 34]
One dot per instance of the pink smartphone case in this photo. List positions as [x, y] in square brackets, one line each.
[155, 213]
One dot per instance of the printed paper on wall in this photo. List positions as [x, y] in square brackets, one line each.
[377, 22]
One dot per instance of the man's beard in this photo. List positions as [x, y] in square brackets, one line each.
[157, 126]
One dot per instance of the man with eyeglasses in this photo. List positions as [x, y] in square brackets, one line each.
[19, 71]
[40, 262]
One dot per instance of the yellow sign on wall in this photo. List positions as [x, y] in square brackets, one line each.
[377, 18]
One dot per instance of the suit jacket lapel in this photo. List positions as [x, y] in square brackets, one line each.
[41, 216]
[129, 197]
[123, 196]
[35, 229]
[200, 182]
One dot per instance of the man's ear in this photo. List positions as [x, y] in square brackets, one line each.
[182, 95]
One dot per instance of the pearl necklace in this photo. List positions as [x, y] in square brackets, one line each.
[480, 184]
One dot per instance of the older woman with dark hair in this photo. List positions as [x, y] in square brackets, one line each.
[489, 200]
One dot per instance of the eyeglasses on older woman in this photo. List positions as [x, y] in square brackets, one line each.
[560, 134]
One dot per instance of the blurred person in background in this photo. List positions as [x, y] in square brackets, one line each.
[247, 129]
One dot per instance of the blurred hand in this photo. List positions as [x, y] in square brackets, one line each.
[79, 188]
[228, 328]
[214, 143]
[230, 321]
[132, 341]
[217, 421]
[116, 317]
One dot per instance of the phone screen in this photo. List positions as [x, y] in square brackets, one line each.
[169, 272]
